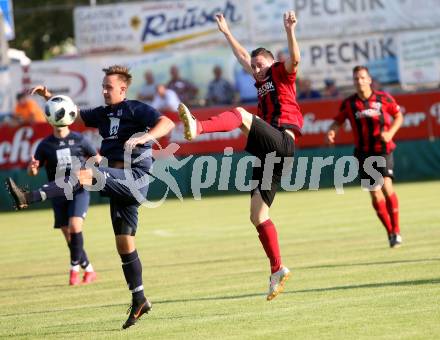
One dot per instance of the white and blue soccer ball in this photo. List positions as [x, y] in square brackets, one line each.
[60, 111]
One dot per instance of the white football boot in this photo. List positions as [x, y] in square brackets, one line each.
[395, 240]
[277, 281]
[189, 122]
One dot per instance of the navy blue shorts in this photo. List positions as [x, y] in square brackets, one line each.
[64, 209]
[124, 201]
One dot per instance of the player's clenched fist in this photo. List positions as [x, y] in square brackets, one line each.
[289, 19]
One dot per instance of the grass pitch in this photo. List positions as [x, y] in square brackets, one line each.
[207, 274]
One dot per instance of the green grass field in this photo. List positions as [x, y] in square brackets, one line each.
[207, 274]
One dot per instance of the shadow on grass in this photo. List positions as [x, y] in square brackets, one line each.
[67, 332]
[244, 296]
[360, 264]
[312, 290]
[34, 276]
[370, 285]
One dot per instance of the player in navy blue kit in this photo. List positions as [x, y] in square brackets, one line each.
[56, 152]
[125, 125]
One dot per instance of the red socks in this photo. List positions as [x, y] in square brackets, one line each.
[393, 211]
[382, 213]
[269, 239]
[225, 121]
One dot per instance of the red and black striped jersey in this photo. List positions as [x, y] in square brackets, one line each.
[277, 99]
[368, 119]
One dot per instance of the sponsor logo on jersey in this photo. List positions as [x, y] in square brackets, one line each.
[114, 126]
[266, 88]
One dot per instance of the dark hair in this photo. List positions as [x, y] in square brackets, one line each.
[261, 51]
[122, 72]
[358, 68]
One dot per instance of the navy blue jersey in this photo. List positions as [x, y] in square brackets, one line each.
[117, 123]
[53, 152]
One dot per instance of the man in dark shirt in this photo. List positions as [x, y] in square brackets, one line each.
[185, 90]
[128, 128]
[56, 153]
[220, 91]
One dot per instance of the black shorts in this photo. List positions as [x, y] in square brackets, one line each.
[264, 139]
[387, 171]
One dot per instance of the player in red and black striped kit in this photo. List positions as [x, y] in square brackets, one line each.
[273, 131]
[375, 118]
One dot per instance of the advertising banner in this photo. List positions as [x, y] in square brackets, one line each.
[335, 58]
[81, 79]
[5, 74]
[321, 59]
[146, 26]
[337, 18]
[419, 57]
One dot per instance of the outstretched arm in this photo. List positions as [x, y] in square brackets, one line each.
[240, 52]
[291, 64]
[163, 126]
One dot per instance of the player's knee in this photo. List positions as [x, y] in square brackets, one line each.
[388, 186]
[121, 228]
[125, 244]
[253, 219]
[258, 218]
[75, 228]
[377, 196]
[241, 111]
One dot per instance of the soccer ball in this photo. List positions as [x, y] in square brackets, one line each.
[60, 111]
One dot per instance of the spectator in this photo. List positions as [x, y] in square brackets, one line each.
[184, 89]
[244, 84]
[27, 111]
[148, 89]
[165, 99]
[306, 91]
[330, 89]
[220, 91]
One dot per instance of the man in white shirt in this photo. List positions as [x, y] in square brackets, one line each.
[165, 99]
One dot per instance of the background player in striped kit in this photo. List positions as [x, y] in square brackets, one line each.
[375, 118]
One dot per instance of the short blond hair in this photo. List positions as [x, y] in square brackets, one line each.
[122, 72]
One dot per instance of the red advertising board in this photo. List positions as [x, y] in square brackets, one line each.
[421, 110]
